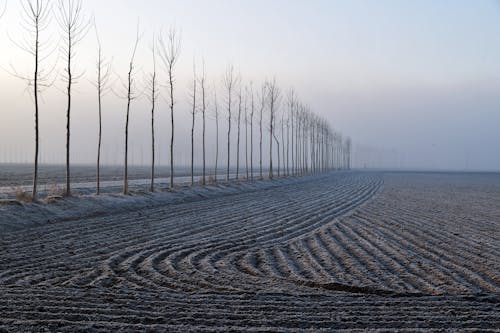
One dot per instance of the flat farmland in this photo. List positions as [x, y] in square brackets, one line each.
[336, 251]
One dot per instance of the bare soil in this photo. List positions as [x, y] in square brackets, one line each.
[339, 251]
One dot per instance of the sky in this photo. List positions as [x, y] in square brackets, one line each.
[415, 84]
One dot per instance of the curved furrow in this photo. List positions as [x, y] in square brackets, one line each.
[429, 256]
[459, 262]
[424, 221]
[375, 263]
[428, 223]
[404, 274]
[192, 273]
[351, 264]
[315, 226]
[393, 264]
[428, 262]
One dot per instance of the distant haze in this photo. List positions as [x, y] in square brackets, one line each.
[415, 84]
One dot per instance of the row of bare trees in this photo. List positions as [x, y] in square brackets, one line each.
[301, 141]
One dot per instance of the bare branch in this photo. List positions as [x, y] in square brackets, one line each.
[2, 11]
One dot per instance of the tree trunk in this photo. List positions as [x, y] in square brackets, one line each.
[260, 143]
[99, 141]
[251, 137]
[171, 81]
[288, 146]
[271, 146]
[35, 92]
[228, 137]
[68, 119]
[216, 145]
[292, 137]
[203, 181]
[129, 97]
[278, 146]
[192, 149]
[238, 140]
[246, 138]
[193, 113]
[283, 146]
[153, 100]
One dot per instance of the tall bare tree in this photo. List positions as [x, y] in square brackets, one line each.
[169, 52]
[153, 93]
[35, 20]
[131, 95]
[289, 124]
[216, 114]
[229, 81]
[102, 85]
[203, 113]
[193, 117]
[252, 111]
[297, 136]
[246, 130]
[238, 132]
[74, 27]
[263, 95]
[274, 94]
[283, 142]
[292, 109]
[348, 144]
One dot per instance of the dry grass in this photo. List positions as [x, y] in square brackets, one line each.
[56, 191]
[23, 196]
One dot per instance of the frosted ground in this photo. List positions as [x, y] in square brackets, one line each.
[343, 250]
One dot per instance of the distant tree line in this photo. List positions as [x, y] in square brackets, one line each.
[300, 142]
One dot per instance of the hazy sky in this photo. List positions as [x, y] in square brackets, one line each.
[418, 81]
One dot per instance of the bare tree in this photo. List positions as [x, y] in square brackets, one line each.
[203, 113]
[216, 113]
[169, 52]
[252, 110]
[229, 81]
[35, 20]
[274, 94]
[348, 144]
[289, 124]
[193, 117]
[74, 27]
[283, 142]
[238, 134]
[102, 85]
[278, 146]
[246, 131]
[263, 95]
[131, 95]
[297, 136]
[153, 93]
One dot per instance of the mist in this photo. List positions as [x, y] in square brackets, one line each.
[415, 85]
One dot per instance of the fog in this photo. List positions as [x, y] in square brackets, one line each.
[416, 85]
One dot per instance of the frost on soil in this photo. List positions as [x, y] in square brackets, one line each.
[354, 251]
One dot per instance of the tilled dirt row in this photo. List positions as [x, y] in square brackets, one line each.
[118, 310]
